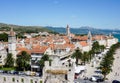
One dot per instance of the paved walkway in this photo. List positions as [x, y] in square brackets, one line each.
[91, 69]
[115, 74]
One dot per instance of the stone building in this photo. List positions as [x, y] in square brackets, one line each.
[12, 43]
[62, 73]
[19, 79]
[3, 53]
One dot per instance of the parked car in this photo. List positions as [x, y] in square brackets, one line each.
[8, 72]
[12, 72]
[4, 71]
[1, 71]
[28, 73]
[115, 81]
[21, 73]
[33, 73]
[15, 72]
[96, 78]
[37, 74]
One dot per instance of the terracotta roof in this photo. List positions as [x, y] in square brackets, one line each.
[69, 45]
[82, 38]
[61, 46]
[99, 37]
[39, 49]
[66, 39]
[20, 49]
[83, 43]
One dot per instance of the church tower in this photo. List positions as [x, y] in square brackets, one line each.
[68, 31]
[12, 43]
[89, 40]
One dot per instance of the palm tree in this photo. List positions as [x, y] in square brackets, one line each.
[9, 61]
[105, 67]
[95, 47]
[43, 59]
[85, 57]
[42, 62]
[23, 60]
[102, 47]
[107, 62]
[77, 54]
[90, 53]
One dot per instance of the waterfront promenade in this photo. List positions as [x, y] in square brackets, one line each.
[115, 74]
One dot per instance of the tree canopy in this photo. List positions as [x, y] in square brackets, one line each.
[43, 59]
[9, 61]
[95, 47]
[4, 37]
[107, 61]
[23, 61]
[77, 55]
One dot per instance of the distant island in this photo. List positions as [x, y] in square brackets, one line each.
[24, 29]
[84, 30]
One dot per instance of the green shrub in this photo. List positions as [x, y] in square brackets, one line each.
[31, 81]
[40, 81]
[13, 79]
[4, 78]
[22, 80]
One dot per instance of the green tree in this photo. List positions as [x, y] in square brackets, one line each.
[107, 62]
[101, 47]
[105, 67]
[77, 55]
[85, 57]
[95, 47]
[20, 35]
[43, 59]
[4, 37]
[23, 60]
[91, 54]
[9, 61]
[41, 62]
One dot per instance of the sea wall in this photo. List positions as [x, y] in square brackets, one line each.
[19, 79]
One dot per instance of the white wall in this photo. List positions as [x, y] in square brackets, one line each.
[102, 42]
[85, 48]
[17, 79]
[112, 41]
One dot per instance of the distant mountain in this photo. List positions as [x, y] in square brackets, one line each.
[80, 30]
[19, 28]
[83, 30]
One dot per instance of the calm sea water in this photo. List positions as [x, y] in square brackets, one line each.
[117, 36]
[85, 31]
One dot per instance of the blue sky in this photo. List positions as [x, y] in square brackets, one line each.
[76, 13]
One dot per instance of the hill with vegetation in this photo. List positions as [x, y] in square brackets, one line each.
[24, 29]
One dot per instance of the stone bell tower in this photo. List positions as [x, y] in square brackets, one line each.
[68, 31]
[89, 40]
[12, 43]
